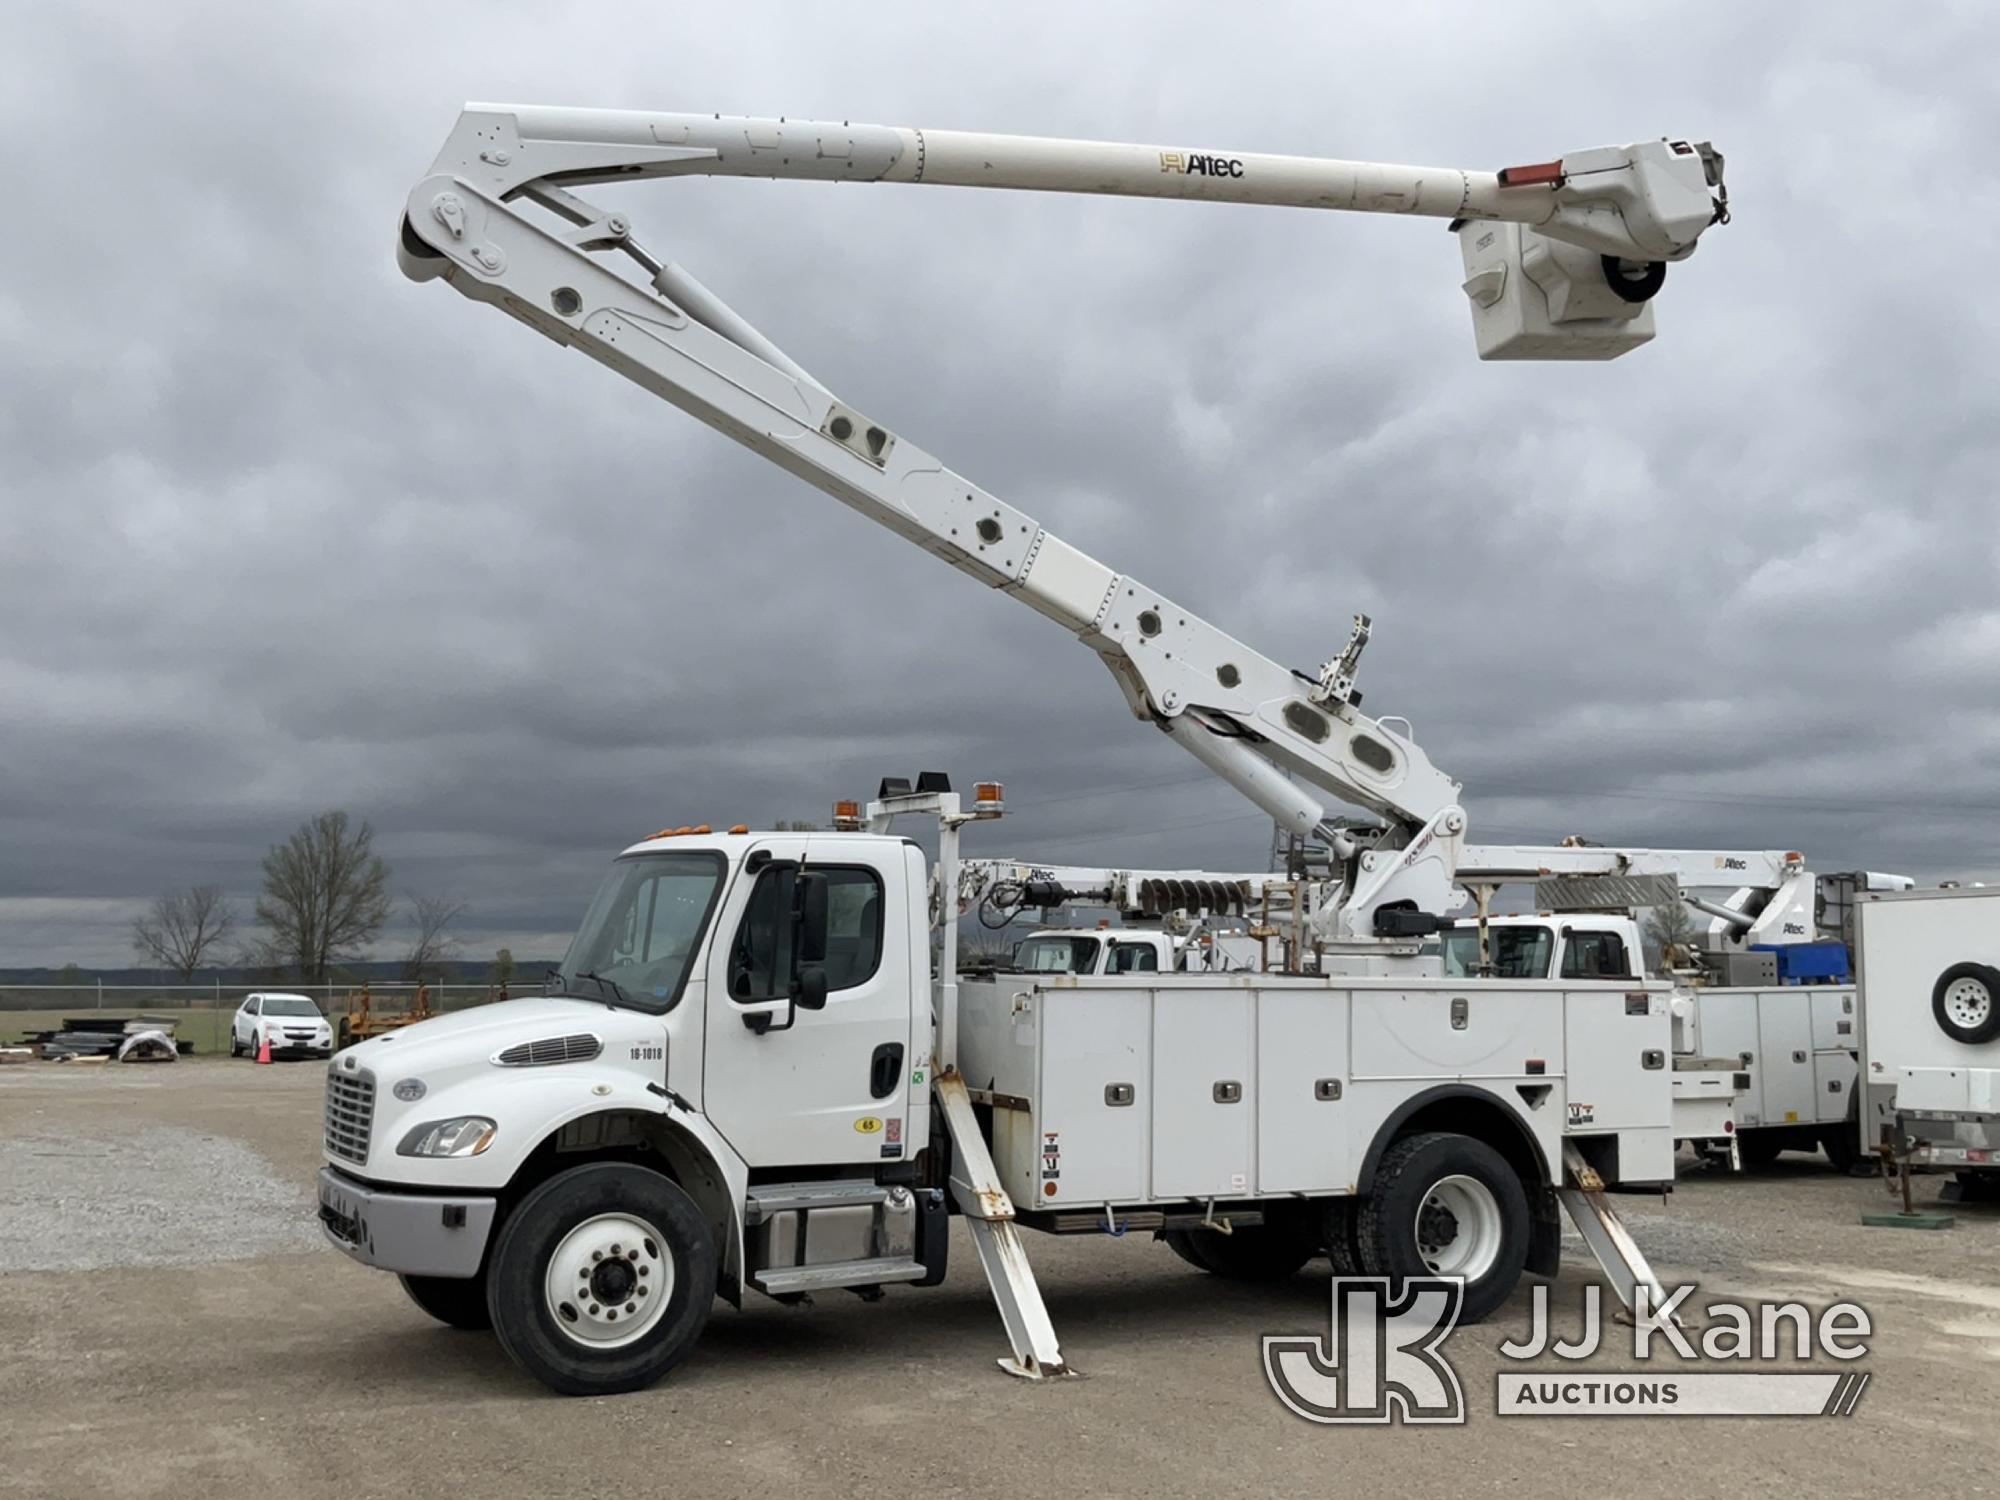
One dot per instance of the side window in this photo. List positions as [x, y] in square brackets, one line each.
[251, 1007]
[1134, 958]
[853, 927]
[1594, 955]
[853, 933]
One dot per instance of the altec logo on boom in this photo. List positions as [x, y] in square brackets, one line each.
[1200, 164]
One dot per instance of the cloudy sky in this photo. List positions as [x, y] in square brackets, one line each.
[281, 531]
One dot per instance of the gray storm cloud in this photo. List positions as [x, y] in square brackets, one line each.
[281, 531]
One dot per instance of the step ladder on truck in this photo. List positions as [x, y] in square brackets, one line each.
[751, 1075]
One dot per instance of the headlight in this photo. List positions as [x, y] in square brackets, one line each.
[468, 1135]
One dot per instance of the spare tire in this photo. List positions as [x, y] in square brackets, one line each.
[1966, 1002]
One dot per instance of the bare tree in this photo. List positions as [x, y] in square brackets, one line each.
[502, 968]
[182, 928]
[795, 825]
[1668, 929]
[434, 943]
[326, 893]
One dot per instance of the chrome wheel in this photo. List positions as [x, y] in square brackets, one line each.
[1459, 1228]
[609, 1281]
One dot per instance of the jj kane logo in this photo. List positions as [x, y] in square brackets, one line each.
[1383, 1359]
[1200, 164]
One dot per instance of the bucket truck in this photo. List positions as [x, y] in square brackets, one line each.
[1767, 1000]
[752, 1073]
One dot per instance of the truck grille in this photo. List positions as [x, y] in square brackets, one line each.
[543, 1051]
[350, 1112]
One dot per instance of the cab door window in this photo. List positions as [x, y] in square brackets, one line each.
[762, 949]
[1595, 955]
[1134, 958]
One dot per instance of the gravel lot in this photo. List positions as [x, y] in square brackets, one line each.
[173, 1326]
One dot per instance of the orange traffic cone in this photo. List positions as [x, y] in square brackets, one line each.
[264, 1050]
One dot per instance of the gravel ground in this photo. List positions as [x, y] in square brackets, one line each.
[163, 1366]
[157, 1195]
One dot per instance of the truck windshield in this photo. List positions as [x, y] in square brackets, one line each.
[1056, 955]
[1518, 952]
[643, 930]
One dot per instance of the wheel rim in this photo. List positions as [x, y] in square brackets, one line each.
[609, 1281]
[1969, 1003]
[1459, 1228]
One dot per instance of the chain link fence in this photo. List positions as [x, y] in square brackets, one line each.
[202, 1011]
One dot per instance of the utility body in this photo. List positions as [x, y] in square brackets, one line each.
[758, 1078]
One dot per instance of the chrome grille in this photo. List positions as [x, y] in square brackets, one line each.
[350, 1112]
[543, 1051]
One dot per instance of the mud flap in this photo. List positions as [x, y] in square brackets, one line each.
[1544, 1233]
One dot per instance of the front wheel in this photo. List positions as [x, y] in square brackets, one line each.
[1447, 1205]
[456, 1301]
[602, 1279]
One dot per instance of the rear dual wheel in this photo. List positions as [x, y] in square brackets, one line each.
[1446, 1205]
[1270, 1251]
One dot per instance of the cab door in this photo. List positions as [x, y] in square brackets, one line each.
[827, 1084]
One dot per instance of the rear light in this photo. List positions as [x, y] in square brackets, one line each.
[1729, 1127]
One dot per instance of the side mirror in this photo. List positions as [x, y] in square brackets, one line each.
[809, 988]
[809, 920]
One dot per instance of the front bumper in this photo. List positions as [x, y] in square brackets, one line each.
[414, 1234]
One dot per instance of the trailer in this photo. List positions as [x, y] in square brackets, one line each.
[1930, 1029]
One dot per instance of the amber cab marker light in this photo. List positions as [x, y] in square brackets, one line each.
[739, 827]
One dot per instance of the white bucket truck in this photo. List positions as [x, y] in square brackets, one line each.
[754, 1078]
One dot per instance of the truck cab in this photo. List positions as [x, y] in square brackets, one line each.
[1104, 950]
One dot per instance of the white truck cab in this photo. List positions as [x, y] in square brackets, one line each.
[1102, 950]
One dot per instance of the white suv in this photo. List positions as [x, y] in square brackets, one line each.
[291, 1022]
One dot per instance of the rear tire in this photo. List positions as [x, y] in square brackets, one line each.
[556, 1302]
[1759, 1148]
[1259, 1252]
[1839, 1144]
[1340, 1228]
[1447, 1205]
[235, 1047]
[458, 1302]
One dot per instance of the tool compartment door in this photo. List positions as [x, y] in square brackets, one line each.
[1091, 1109]
[1204, 1092]
[1785, 1056]
[1302, 1111]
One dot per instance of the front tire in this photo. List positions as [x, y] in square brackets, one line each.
[1447, 1205]
[602, 1279]
[456, 1301]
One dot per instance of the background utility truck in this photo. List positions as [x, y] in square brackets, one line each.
[755, 1079]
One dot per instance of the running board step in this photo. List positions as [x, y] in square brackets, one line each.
[780, 1281]
[769, 1198]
